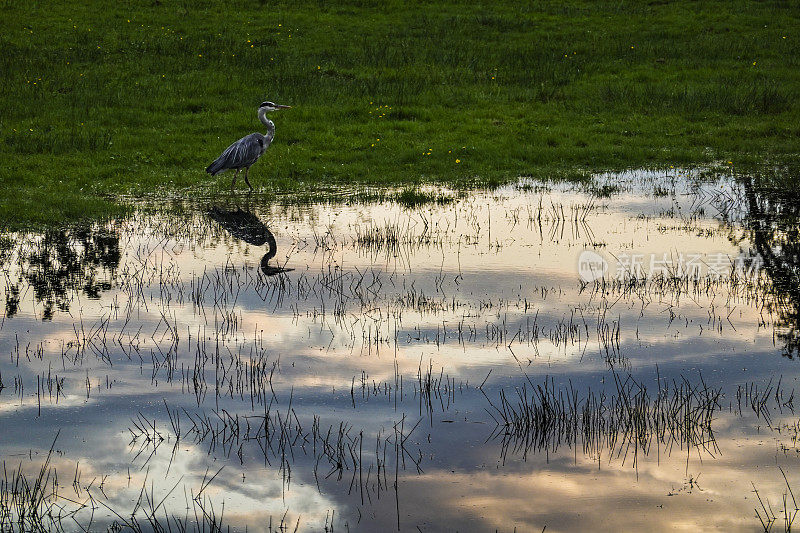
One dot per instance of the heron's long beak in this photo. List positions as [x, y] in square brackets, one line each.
[283, 106]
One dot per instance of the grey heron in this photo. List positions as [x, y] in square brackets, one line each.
[246, 151]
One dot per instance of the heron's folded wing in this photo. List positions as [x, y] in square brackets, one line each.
[243, 152]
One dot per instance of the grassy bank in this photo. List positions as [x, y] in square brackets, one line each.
[137, 97]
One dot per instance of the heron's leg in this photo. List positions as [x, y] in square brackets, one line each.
[235, 175]
[247, 181]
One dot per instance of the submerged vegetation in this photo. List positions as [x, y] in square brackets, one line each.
[137, 97]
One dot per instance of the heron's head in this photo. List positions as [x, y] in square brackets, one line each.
[270, 106]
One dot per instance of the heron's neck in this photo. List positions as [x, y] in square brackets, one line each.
[262, 116]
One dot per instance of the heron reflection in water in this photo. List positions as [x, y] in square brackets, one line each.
[247, 227]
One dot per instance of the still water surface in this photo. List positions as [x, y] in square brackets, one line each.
[523, 358]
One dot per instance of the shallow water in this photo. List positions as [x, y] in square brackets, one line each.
[450, 366]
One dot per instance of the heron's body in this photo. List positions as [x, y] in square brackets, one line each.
[241, 154]
[246, 151]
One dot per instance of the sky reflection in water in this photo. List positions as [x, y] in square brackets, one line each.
[348, 365]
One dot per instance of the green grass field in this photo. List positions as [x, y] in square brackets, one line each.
[102, 99]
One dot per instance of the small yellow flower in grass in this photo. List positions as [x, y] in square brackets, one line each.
[730, 162]
[458, 161]
[318, 67]
[199, 55]
[373, 144]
